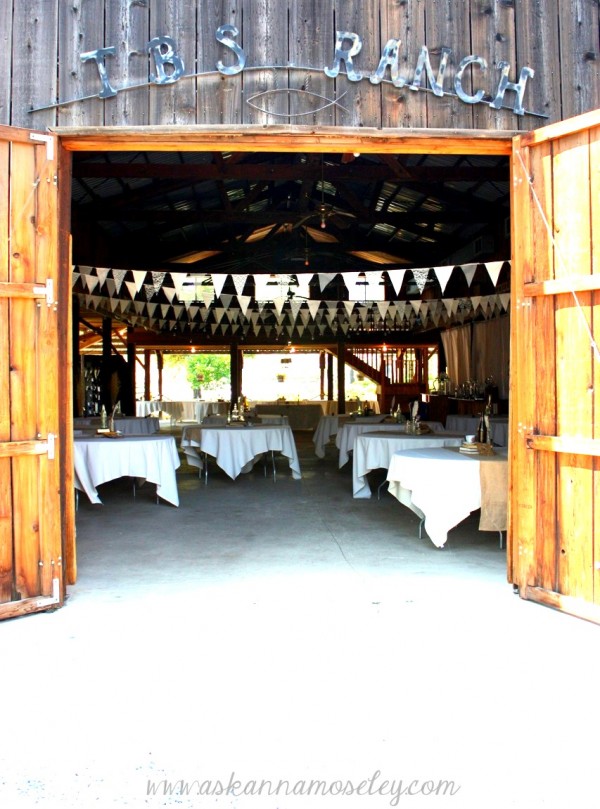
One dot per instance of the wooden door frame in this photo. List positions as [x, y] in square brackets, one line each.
[238, 139]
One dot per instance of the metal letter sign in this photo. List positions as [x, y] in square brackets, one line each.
[97, 56]
[345, 55]
[230, 43]
[163, 50]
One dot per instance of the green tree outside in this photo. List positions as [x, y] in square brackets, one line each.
[203, 371]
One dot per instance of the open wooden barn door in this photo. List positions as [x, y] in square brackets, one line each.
[554, 533]
[31, 515]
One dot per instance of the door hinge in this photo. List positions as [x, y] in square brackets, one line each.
[47, 139]
[47, 291]
[50, 439]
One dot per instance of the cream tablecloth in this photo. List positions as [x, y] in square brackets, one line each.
[237, 447]
[151, 458]
[193, 410]
[351, 429]
[375, 451]
[443, 486]
[467, 425]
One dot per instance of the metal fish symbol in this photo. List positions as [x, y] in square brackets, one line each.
[314, 97]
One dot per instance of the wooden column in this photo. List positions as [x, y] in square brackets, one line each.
[329, 377]
[159, 365]
[235, 358]
[341, 370]
[147, 358]
[128, 406]
[105, 398]
[322, 374]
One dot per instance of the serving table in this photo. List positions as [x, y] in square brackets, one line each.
[375, 451]
[128, 425]
[236, 447]
[352, 428]
[443, 486]
[193, 410]
[98, 459]
[467, 425]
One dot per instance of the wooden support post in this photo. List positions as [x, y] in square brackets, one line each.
[159, 365]
[105, 398]
[147, 359]
[341, 355]
[78, 380]
[329, 377]
[128, 406]
[322, 374]
[235, 359]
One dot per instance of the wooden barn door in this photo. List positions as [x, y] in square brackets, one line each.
[31, 558]
[554, 522]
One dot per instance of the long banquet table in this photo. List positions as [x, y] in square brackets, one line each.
[375, 451]
[236, 447]
[128, 425]
[351, 429]
[467, 425]
[153, 458]
[193, 410]
[443, 486]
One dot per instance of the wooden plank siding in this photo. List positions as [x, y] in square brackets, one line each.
[30, 456]
[555, 367]
[40, 64]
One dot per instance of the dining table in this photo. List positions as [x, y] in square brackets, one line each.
[468, 425]
[128, 425]
[374, 450]
[352, 428]
[329, 426]
[153, 458]
[193, 410]
[443, 486]
[236, 447]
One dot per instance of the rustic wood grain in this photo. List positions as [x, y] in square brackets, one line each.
[175, 102]
[219, 98]
[595, 236]
[400, 106]
[311, 37]
[445, 27]
[265, 35]
[493, 37]
[521, 562]
[580, 49]
[538, 48]
[81, 29]
[6, 546]
[571, 225]
[34, 61]
[24, 373]
[6, 38]
[128, 29]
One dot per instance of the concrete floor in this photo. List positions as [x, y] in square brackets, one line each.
[286, 632]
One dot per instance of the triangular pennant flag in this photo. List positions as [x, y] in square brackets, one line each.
[226, 300]
[396, 278]
[303, 288]
[208, 298]
[178, 309]
[218, 283]
[91, 282]
[493, 270]
[119, 276]
[504, 300]
[314, 307]
[325, 278]
[139, 276]
[443, 275]
[420, 275]
[383, 307]
[349, 306]
[475, 301]
[469, 272]
[219, 312]
[111, 288]
[295, 305]
[158, 280]
[300, 330]
[131, 288]
[170, 293]
[102, 272]
[239, 282]
[179, 279]
[114, 302]
[279, 302]
[151, 309]
[75, 276]
[244, 302]
[164, 309]
[416, 305]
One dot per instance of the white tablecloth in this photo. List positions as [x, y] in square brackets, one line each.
[375, 451]
[128, 425]
[467, 425]
[193, 410]
[349, 431]
[442, 486]
[329, 426]
[236, 447]
[151, 458]
[300, 415]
